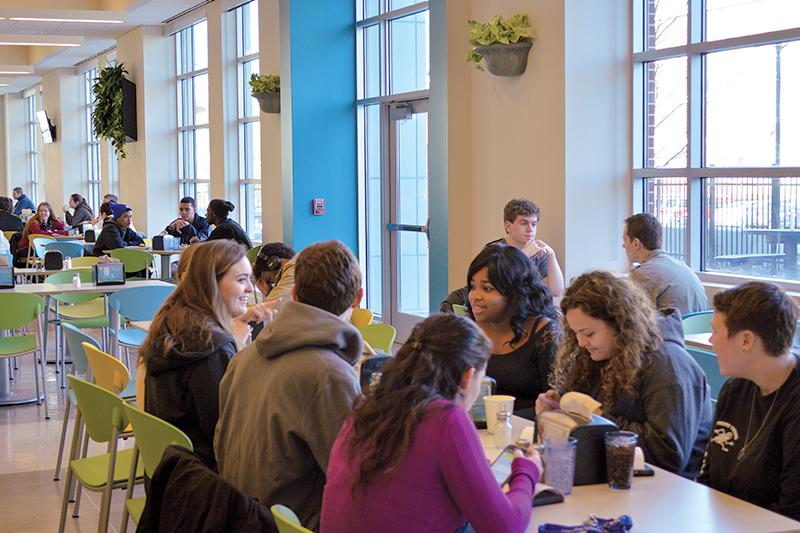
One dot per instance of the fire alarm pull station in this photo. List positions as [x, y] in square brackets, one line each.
[318, 206]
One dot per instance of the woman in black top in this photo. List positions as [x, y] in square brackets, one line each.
[754, 449]
[83, 213]
[225, 228]
[515, 310]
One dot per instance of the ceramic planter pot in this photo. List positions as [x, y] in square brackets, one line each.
[506, 59]
[269, 102]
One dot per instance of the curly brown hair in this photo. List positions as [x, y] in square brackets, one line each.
[624, 307]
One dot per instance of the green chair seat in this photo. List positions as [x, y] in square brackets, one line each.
[90, 309]
[135, 508]
[19, 344]
[90, 323]
[93, 471]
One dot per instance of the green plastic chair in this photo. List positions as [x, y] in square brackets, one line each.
[460, 310]
[153, 435]
[16, 311]
[252, 253]
[361, 317]
[104, 418]
[134, 260]
[694, 323]
[286, 520]
[379, 336]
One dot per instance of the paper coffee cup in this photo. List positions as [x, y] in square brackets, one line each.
[495, 404]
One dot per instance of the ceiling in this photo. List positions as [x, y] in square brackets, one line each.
[23, 51]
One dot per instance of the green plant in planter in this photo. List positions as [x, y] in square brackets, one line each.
[512, 30]
[265, 83]
[107, 115]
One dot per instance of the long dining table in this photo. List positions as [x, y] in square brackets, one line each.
[664, 502]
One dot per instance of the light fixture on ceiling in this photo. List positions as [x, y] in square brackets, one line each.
[85, 16]
[40, 40]
[88, 21]
[15, 69]
[5, 85]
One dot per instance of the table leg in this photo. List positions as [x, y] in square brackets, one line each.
[165, 264]
[46, 326]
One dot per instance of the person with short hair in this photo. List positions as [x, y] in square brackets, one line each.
[410, 455]
[754, 450]
[622, 352]
[43, 222]
[23, 202]
[515, 310]
[117, 232]
[8, 221]
[82, 212]
[224, 227]
[283, 398]
[111, 198]
[668, 282]
[189, 227]
[274, 272]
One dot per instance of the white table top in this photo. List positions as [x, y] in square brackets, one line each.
[698, 340]
[42, 272]
[46, 289]
[144, 325]
[179, 251]
[664, 502]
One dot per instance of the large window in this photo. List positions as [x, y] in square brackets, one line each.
[32, 186]
[194, 172]
[716, 131]
[249, 127]
[91, 144]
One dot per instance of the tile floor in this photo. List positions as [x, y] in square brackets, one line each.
[30, 501]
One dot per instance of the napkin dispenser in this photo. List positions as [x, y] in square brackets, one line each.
[166, 243]
[53, 260]
[89, 235]
[590, 450]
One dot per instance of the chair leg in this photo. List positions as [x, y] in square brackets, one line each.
[44, 387]
[78, 487]
[36, 377]
[123, 527]
[68, 483]
[105, 505]
[57, 475]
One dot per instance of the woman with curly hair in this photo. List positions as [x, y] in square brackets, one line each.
[620, 351]
[515, 310]
[410, 457]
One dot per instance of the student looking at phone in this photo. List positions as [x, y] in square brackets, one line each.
[410, 455]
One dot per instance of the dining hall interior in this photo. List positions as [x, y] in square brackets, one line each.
[443, 265]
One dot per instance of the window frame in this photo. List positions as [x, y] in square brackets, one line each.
[91, 144]
[695, 169]
[32, 148]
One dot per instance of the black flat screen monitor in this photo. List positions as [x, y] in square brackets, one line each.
[46, 127]
[109, 274]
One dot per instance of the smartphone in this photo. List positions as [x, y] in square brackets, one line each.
[501, 466]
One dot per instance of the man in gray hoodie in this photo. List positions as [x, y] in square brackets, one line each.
[284, 397]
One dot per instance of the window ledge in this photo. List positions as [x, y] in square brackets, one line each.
[716, 281]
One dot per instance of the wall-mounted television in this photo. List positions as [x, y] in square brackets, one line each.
[46, 127]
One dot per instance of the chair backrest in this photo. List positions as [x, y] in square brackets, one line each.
[134, 260]
[379, 336]
[286, 520]
[101, 411]
[139, 303]
[39, 242]
[460, 310]
[66, 277]
[252, 253]
[75, 337]
[708, 362]
[85, 261]
[67, 248]
[697, 322]
[153, 435]
[17, 310]
[9, 234]
[107, 371]
[361, 317]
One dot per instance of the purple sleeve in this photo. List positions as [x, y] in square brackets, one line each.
[471, 483]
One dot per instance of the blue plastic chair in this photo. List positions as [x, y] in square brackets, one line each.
[135, 304]
[67, 248]
[73, 337]
[39, 244]
[699, 322]
[708, 362]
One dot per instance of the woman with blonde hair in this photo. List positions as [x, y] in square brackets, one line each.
[194, 334]
[622, 352]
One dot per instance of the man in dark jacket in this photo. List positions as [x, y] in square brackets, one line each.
[117, 232]
[8, 222]
[189, 224]
[23, 202]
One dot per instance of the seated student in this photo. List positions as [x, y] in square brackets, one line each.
[108, 199]
[82, 211]
[620, 351]
[410, 457]
[9, 221]
[117, 232]
[668, 282]
[193, 336]
[189, 226]
[284, 397]
[23, 202]
[274, 272]
[42, 223]
[754, 453]
[515, 310]
[225, 228]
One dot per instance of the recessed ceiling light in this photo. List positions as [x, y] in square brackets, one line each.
[15, 69]
[43, 19]
[13, 72]
[86, 16]
[29, 43]
[40, 40]
[5, 85]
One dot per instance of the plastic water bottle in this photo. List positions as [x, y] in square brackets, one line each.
[502, 430]
[76, 281]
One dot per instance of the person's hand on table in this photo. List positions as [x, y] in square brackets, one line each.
[547, 401]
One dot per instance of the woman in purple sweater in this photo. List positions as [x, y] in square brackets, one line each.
[410, 459]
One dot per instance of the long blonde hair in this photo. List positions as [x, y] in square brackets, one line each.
[194, 314]
[626, 309]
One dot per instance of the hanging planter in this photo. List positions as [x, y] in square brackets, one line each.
[267, 90]
[504, 44]
[114, 115]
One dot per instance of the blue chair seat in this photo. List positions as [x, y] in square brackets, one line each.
[129, 391]
[131, 337]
